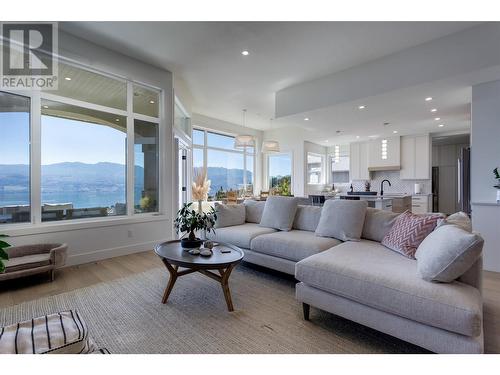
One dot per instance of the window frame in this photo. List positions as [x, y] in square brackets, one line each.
[36, 98]
[205, 149]
[268, 177]
[323, 161]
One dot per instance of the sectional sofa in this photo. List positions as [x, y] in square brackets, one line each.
[363, 280]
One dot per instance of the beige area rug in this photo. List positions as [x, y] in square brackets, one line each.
[126, 316]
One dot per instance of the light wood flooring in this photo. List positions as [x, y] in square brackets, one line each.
[75, 277]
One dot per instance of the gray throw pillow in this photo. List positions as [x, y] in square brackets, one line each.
[307, 218]
[229, 215]
[378, 223]
[342, 219]
[279, 213]
[447, 253]
[254, 210]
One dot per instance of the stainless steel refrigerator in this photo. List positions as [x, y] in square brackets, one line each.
[463, 192]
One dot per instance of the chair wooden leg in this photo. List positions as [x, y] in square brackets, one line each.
[306, 309]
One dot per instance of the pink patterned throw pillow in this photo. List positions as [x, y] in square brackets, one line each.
[408, 231]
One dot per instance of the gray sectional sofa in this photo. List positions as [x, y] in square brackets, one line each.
[364, 281]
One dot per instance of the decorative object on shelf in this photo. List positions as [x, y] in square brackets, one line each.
[188, 221]
[368, 185]
[200, 188]
[497, 176]
[3, 254]
[269, 146]
[244, 140]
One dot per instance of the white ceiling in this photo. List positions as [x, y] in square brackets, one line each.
[207, 55]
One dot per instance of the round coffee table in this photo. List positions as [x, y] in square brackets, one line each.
[175, 257]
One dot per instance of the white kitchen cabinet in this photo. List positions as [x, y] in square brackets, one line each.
[421, 204]
[358, 164]
[415, 157]
[384, 154]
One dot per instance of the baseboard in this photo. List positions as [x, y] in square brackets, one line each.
[93, 256]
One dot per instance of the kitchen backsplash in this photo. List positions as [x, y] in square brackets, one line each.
[397, 185]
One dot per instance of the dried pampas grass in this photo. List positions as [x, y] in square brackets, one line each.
[201, 186]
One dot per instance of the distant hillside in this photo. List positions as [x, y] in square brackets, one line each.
[225, 178]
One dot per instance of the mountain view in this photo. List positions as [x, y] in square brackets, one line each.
[225, 178]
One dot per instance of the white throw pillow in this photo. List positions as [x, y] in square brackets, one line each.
[279, 212]
[229, 215]
[342, 219]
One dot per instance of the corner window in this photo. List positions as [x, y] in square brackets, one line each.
[280, 174]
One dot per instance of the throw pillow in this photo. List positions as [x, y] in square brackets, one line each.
[342, 219]
[254, 210]
[408, 231]
[378, 223]
[447, 253]
[279, 212]
[307, 218]
[460, 219]
[229, 215]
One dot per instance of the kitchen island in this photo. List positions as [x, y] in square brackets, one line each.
[389, 202]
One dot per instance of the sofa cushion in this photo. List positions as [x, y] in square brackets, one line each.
[377, 223]
[27, 262]
[342, 219]
[239, 235]
[367, 273]
[229, 214]
[279, 212]
[60, 333]
[460, 219]
[447, 253]
[408, 231]
[254, 210]
[293, 245]
[307, 218]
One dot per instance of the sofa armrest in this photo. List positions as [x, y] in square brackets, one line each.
[59, 254]
[474, 275]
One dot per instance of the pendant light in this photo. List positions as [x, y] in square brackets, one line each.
[270, 147]
[244, 140]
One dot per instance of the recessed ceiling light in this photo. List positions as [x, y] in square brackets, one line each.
[441, 125]
[357, 137]
[45, 106]
[326, 140]
[428, 99]
[362, 107]
[67, 78]
[151, 102]
[395, 131]
[306, 118]
[433, 110]
[117, 120]
[437, 118]
[245, 53]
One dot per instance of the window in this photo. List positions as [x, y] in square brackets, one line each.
[146, 166]
[339, 163]
[314, 168]
[83, 162]
[181, 120]
[280, 173]
[14, 159]
[227, 168]
[99, 155]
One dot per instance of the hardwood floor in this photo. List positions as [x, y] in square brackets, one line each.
[75, 277]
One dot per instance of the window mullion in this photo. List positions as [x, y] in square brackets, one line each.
[36, 159]
[130, 150]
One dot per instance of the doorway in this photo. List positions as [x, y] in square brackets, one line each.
[183, 157]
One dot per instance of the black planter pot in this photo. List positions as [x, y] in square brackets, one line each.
[191, 244]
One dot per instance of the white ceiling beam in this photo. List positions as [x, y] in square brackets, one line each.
[462, 53]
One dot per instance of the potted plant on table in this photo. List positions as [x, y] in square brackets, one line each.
[190, 221]
[3, 254]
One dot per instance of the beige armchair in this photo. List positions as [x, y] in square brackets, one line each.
[33, 259]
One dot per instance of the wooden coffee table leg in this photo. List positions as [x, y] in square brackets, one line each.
[225, 286]
[171, 281]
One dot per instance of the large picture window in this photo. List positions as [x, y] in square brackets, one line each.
[228, 169]
[14, 158]
[98, 154]
[280, 173]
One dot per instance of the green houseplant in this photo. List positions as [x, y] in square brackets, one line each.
[3, 254]
[188, 221]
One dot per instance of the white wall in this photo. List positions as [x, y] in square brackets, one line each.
[90, 240]
[229, 128]
[485, 155]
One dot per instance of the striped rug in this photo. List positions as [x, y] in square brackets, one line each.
[126, 316]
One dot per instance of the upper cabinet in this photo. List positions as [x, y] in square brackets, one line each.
[415, 157]
[359, 161]
[384, 154]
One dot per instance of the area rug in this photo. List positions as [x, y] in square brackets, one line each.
[126, 316]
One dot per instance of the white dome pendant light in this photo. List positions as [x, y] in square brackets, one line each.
[244, 140]
[270, 147]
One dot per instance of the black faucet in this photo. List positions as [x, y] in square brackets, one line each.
[382, 186]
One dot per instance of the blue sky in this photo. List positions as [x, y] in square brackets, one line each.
[280, 165]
